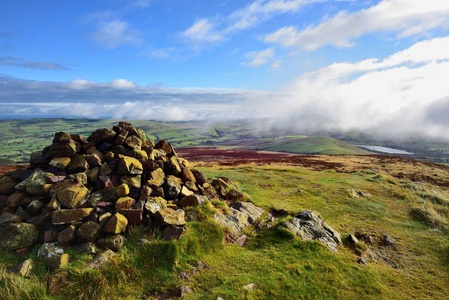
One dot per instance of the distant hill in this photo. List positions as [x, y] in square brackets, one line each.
[310, 145]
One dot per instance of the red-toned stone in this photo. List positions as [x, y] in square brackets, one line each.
[16, 199]
[134, 216]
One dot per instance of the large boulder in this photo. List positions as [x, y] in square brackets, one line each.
[250, 209]
[129, 166]
[69, 216]
[18, 235]
[308, 225]
[168, 216]
[35, 183]
[73, 196]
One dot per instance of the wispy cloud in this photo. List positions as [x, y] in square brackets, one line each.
[42, 65]
[111, 31]
[260, 58]
[400, 17]
[202, 32]
[206, 32]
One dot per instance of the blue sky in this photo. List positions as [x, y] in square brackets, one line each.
[198, 58]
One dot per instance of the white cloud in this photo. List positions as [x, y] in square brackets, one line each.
[260, 58]
[116, 33]
[392, 97]
[402, 17]
[206, 32]
[202, 31]
[81, 84]
[261, 10]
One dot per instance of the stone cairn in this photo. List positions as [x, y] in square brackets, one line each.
[88, 192]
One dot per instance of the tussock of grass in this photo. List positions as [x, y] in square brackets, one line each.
[15, 287]
[429, 215]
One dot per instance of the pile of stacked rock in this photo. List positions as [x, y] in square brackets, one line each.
[87, 192]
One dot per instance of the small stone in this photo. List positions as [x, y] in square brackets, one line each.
[103, 219]
[58, 262]
[165, 146]
[7, 217]
[129, 166]
[241, 240]
[60, 162]
[187, 175]
[18, 235]
[116, 224]
[156, 178]
[124, 203]
[134, 216]
[100, 260]
[133, 142]
[362, 261]
[134, 181]
[87, 248]
[89, 231]
[250, 287]
[35, 183]
[191, 200]
[35, 207]
[186, 192]
[73, 196]
[24, 269]
[7, 185]
[67, 235]
[121, 191]
[389, 240]
[78, 164]
[113, 242]
[16, 199]
[168, 216]
[184, 291]
[69, 216]
[49, 250]
[154, 204]
[172, 232]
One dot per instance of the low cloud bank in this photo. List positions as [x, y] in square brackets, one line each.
[402, 95]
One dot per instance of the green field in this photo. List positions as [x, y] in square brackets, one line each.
[18, 138]
[280, 265]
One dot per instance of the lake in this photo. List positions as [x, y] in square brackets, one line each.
[384, 149]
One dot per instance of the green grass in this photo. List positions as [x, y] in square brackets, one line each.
[281, 266]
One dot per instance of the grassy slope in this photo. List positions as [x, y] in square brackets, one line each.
[283, 267]
[309, 145]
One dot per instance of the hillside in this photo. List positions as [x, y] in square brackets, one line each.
[309, 145]
[18, 138]
[401, 198]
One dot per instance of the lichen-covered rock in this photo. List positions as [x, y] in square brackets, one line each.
[113, 242]
[35, 183]
[116, 224]
[49, 251]
[173, 232]
[155, 204]
[24, 269]
[308, 225]
[73, 196]
[69, 216]
[168, 216]
[63, 148]
[7, 185]
[67, 235]
[191, 200]
[18, 235]
[7, 217]
[250, 209]
[156, 178]
[100, 260]
[129, 166]
[60, 162]
[89, 231]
